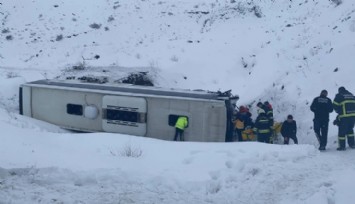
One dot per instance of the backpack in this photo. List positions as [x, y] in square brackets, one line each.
[248, 135]
[238, 124]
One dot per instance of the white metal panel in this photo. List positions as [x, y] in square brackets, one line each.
[26, 101]
[216, 120]
[50, 105]
[201, 127]
[130, 104]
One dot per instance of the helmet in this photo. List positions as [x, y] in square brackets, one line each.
[268, 105]
[242, 109]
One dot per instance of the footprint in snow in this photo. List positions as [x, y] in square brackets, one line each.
[229, 164]
[188, 160]
[215, 175]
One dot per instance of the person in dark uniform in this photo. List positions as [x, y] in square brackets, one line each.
[260, 105]
[269, 111]
[321, 107]
[344, 106]
[289, 130]
[263, 127]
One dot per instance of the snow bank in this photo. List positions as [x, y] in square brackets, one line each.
[70, 167]
[96, 168]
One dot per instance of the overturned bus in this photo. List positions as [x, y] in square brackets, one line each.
[129, 109]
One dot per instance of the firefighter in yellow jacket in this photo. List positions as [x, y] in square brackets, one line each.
[180, 126]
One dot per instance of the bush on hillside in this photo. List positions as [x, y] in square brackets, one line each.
[337, 2]
[5, 30]
[79, 67]
[95, 26]
[257, 11]
[174, 58]
[59, 37]
[9, 37]
[11, 75]
[128, 151]
[110, 18]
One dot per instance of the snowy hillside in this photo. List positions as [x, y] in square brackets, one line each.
[283, 51]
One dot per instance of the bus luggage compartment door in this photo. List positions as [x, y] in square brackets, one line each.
[123, 114]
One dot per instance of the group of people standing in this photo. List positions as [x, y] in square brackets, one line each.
[264, 126]
[344, 106]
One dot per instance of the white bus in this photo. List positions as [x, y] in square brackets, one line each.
[129, 109]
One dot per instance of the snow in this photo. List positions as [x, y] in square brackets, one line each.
[94, 168]
[285, 52]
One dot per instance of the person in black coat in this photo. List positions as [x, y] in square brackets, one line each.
[321, 107]
[289, 130]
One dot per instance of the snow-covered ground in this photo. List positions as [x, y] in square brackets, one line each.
[283, 51]
[41, 164]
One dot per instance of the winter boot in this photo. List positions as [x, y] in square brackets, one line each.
[321, 148]
[341, 144]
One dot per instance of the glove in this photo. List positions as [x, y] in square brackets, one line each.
[335, 122]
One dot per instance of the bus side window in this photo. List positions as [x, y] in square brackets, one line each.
[122, 115]
[74, 109]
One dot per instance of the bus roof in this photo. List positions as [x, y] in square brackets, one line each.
[129, 88]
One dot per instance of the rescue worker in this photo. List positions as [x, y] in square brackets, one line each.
[263, 127]
[289, 130]
[242, 122]
[259, 106]
[269, 111]
[344, 106]
[180, 125]
[321, 107]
